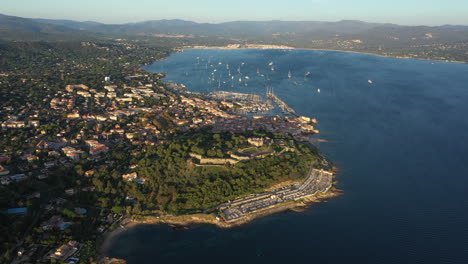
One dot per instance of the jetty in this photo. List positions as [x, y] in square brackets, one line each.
[283, 105]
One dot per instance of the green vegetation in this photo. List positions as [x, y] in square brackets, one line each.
[146, 166]
[177, 186]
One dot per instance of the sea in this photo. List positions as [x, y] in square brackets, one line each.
[397, 129]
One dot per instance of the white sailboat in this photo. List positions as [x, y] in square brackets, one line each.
[289, 75]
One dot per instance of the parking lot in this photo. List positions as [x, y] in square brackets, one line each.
[317, 181]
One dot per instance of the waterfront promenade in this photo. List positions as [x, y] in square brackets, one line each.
[316, 181]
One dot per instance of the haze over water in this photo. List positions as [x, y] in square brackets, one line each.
[401, 145]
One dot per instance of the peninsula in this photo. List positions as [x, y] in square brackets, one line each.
[99, 143]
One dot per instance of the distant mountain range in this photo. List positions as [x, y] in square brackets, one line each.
[229, 29]
[353, 35]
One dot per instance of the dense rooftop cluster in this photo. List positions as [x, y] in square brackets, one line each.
[82, 144]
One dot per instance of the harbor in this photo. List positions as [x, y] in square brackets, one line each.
[284, 106]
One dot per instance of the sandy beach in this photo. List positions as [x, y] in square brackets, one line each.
[263, 46]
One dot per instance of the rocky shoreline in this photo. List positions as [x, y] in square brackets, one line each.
[185, 221]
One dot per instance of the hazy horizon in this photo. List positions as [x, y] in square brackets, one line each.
[228, 21]
[418, 12]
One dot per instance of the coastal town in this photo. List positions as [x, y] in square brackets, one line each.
[82, 157]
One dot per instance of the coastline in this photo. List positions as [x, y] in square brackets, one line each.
[284, 47]
[182, 221]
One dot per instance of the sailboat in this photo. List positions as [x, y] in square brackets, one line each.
[289, 75]
[270, 64]
[307, 74]
[318, 90]
[370, 81]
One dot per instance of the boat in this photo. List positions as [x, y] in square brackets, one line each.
[270, 64]
[370, 81]
[318, 90]
[272, 68]
[247, 77]
[289, 75]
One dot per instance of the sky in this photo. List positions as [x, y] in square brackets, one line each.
[403, 12]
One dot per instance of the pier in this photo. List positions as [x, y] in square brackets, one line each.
[284, 106]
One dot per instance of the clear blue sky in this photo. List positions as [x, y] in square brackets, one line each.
[408, 12]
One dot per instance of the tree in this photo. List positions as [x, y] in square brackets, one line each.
[69, 213]
[117, 209]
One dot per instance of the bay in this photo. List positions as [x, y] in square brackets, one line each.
[400, 142]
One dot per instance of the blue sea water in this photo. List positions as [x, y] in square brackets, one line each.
[401, 144]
